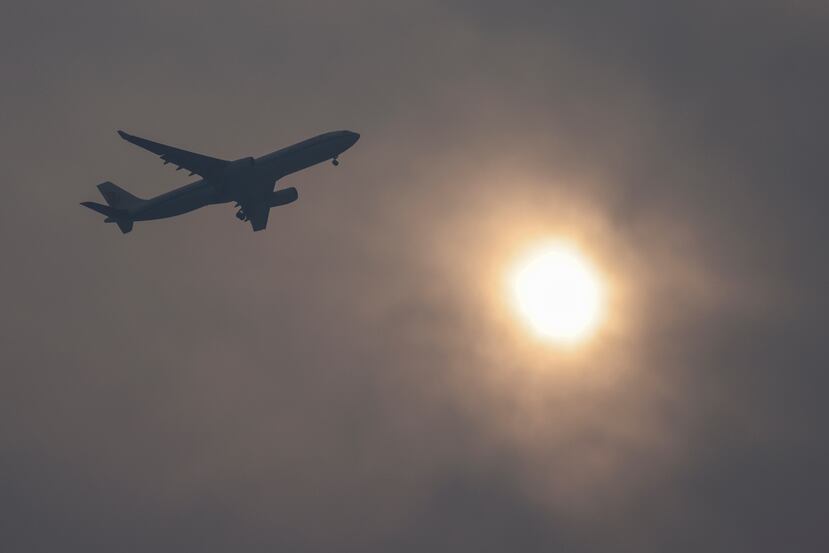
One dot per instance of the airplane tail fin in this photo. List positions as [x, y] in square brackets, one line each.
[118, 197]
[120, 202]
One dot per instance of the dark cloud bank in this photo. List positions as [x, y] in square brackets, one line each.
[344, 381]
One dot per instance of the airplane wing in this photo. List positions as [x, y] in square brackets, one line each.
[258, 215]
[197, 164]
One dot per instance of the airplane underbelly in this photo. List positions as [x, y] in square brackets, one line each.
[177, 206]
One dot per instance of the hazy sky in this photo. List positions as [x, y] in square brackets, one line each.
[352, 379]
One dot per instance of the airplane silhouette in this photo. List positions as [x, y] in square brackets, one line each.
[248, 182]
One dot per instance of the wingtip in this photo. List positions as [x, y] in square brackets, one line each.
[122, 134]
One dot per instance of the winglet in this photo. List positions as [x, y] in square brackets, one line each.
[137, 140]
[154, 147]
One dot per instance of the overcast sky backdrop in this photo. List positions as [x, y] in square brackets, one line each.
[351, 378]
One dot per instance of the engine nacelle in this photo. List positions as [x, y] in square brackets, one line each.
[282, 197]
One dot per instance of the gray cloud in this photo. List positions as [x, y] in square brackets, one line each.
[351, 379]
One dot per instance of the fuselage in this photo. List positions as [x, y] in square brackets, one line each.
[247, 179]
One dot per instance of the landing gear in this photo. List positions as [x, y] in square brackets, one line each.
[335, 161]
[241, 215]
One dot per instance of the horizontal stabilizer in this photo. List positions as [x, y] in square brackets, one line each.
[110, 212]
[117, 216]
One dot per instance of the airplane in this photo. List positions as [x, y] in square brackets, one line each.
[248, 182]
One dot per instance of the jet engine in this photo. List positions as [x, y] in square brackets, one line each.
[282, 197]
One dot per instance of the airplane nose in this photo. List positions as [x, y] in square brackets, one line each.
[353, 136]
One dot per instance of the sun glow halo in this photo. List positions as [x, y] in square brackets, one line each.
[558, 293]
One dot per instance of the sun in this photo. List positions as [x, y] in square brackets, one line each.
[558, 293]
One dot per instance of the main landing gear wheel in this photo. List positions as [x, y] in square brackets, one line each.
[241, 215]
[335, 161]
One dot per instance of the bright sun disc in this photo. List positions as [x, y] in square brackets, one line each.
[558, 293]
